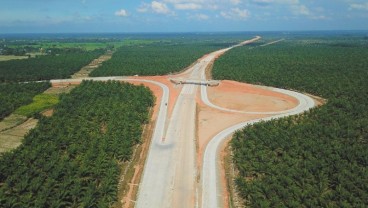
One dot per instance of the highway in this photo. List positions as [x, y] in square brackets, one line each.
[170, 172]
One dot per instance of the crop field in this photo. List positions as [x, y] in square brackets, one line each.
[85, 46]
[11, 57]
[15, 95]
[46, 67]
[40, 102]
[53, 43]
[320, 158]
[73, 158]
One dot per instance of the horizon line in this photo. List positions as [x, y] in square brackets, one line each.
[185, 32]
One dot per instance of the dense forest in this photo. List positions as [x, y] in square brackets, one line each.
[320, 158]
[153, 59]
[73, 158]
[46, 67]
[14, 95]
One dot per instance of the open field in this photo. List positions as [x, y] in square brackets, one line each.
[40, 102]
[84, 46]
[12, 137]
[318, 158]
[34, 46]
[14, 95]
[11, 57]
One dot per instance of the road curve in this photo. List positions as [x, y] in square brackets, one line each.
[210, 173]
[303, 100]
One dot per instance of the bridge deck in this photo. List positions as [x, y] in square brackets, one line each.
[196, 82]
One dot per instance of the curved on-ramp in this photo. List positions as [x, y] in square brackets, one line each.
[210, 174]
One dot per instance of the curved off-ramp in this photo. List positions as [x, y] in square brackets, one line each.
[211, 194]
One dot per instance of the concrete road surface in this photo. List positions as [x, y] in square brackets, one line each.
[169, 178]
[170, 170]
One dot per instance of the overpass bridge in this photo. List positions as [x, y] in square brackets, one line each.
[211, 83]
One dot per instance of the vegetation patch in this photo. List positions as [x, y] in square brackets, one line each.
[73, 159]
[318, 159]
[40, 102]
[14, 95]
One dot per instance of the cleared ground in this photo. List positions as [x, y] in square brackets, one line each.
[246, 97]
[12, 138]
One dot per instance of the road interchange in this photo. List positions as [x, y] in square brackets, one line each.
[170, 173]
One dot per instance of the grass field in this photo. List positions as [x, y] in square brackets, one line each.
[88, 46]
[8, 58]
[40, 102]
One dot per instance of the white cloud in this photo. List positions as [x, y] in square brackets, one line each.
[314, 14]
[235, 2]
[200, 17]
[263, 1]
[357, 6]
[320, 17]
[156, 7]
[187, 6]
[243, 14]
[287, 1]
[186, 1]
[266, 2]
[236, 13]
[300, 10]
[225, 15]
[144, 8]
[213, 7]
[159, 7]
[121, 13]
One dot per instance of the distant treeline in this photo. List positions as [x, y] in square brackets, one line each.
[46, 67]
[320, 158]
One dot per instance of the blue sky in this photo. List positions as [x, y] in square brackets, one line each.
[32, 16]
